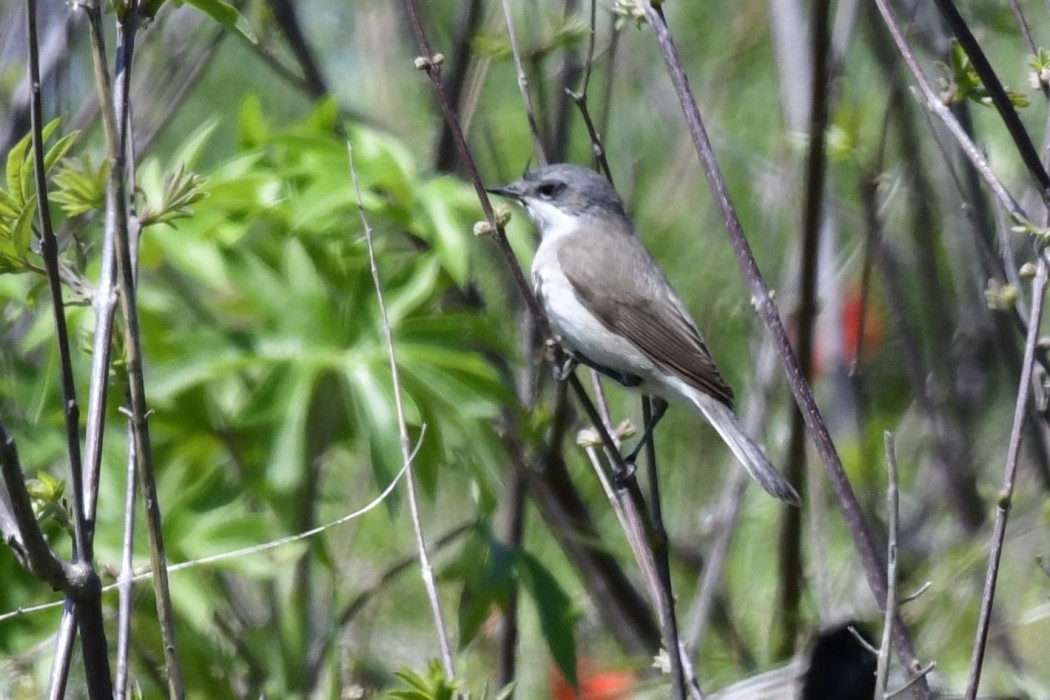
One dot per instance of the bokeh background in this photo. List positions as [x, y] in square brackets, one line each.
[267, 372]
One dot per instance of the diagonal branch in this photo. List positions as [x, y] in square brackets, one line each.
[932, 102]
[19, 527]
[870, 556]
[999, 97]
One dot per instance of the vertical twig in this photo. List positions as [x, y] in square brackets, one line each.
[406, 446]
[1005, 497]
[870, 557]
[65, 639]
[49, 252]
[893, 516]
[660, 553]
[104, 301]
[523, 86]
[88, 606]
[460, 60]
[127, 25]
[127, 572]
[790, 549]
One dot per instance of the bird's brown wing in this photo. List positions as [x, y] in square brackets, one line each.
[639, 305]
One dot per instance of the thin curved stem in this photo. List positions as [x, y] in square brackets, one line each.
[1005, 497]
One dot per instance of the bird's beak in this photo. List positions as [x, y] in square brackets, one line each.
[512, 191]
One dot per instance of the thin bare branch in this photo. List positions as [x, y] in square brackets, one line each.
[870, 557]
[49, 252]
[1005, 496]
[523, 86]
[244, 551]
[805, 315]
[21, 531]
[124, 579]
[893, 516]
[104, 302]
[990, 81]
[426, 570]
[933, 103]
[639, 537]
[88, 603]
[127, 26]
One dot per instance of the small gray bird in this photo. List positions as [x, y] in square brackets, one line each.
[614, 309]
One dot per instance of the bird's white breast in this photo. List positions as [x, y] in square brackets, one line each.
[577, 327]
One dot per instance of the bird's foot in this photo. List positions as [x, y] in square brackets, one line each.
[623, 476]
[564, 365]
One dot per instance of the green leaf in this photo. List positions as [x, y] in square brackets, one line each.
[486, 566]
[432, 686]
[555, 610]
[45, 487]
[181, 190]
[16, 160]
[20, 173]
[253, 127]
[191, 149]
[285, 468]
[226, 15]
[59, 150]
[22, 230]
[8, 207]
[79, 187]
[447, 231]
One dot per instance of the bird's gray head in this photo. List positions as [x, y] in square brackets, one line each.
[557, 197]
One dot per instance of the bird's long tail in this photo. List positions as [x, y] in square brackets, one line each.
[744, 448]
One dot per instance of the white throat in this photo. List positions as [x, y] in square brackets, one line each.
[552, 223]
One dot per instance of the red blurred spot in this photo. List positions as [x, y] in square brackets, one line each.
[867, 339]
[595, 683]
[852, 312]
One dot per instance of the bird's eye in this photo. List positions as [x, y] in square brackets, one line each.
[548, 189]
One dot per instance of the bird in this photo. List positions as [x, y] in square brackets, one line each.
[613, 309]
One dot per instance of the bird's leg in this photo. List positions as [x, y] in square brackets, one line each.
[563, 361]
[659, 408]
[563, 367]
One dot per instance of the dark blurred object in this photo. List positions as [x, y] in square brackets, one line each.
[837, 667]
[840, 667]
